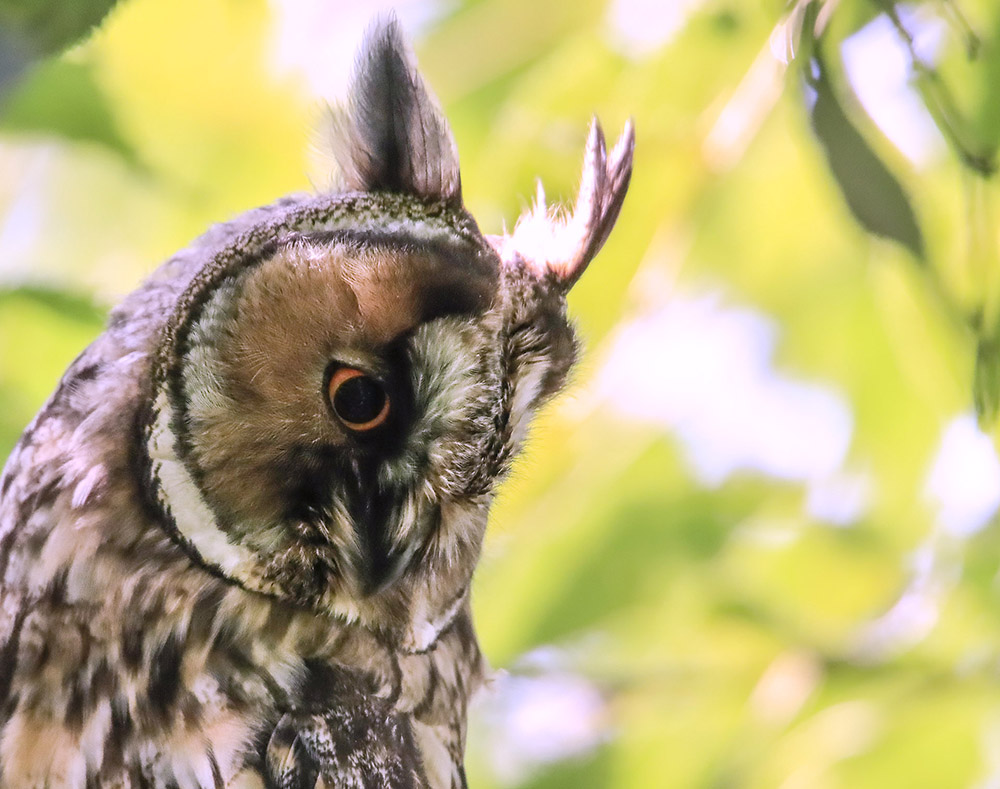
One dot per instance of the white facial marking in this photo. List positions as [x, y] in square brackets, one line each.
[527, 387]
[182, 498]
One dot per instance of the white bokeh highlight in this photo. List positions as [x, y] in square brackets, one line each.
[704, 371]
[963, 487]
[316, 41]
[539, 719]
[964, 478]
[641, 27]
[879, 71]
[841, 498]
[914, 614]
[26, 201]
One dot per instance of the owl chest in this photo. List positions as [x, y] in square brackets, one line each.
[359, 714]
[150, 711]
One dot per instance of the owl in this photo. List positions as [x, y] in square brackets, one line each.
[236, 544]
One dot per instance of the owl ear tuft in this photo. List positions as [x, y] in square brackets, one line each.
[557, 246]
[391, 134]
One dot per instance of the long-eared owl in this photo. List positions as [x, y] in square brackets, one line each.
[236, 544]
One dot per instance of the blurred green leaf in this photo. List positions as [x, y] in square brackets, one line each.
[41, 332]
[45, 27]
[63, 98]
[75, 307]
[986, 58]
[873, 194]
[986, 382]
[591, 770]
[648, 530]
[32, 29]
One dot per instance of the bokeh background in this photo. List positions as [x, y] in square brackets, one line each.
[756, 544]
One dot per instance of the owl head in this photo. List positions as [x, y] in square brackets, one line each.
[344, 379]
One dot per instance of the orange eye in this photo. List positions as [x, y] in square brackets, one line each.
[359, 401]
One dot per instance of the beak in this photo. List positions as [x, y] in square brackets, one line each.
[379, 560]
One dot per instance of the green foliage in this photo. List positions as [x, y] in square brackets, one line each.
[31, 29]
[61, 98]
[41, 331]
[872, 193]
[735, 631]
[48, 26]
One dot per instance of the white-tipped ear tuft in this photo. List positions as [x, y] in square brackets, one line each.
[391, 135]
[558, 246]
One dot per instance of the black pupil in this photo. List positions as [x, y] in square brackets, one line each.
[359, 400]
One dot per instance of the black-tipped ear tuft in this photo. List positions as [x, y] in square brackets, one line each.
[391, 135]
